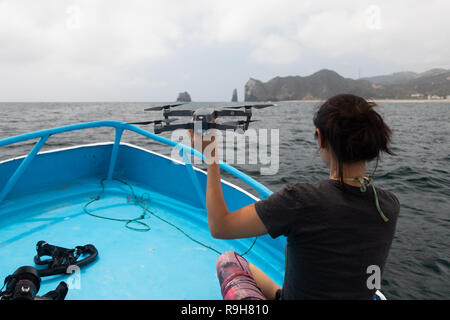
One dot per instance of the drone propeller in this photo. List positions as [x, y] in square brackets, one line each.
[155, 121]
[159, 108]
[256, 106]
[237, 123]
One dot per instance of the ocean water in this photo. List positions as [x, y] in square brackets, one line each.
[418, 266]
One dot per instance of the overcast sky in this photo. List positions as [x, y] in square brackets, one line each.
[147, 50]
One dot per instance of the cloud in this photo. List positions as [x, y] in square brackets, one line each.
[274, 49]
[242, 21]
[379, 29]
[85, 44]
[408, 34]
[83, 49]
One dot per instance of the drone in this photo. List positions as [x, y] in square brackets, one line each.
[203, 119]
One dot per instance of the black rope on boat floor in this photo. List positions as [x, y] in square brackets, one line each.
[143, 201]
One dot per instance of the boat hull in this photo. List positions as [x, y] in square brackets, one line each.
[175, 259]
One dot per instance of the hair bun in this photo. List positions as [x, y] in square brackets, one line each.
[352, 128]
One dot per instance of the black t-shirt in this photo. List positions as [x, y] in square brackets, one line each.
[334, 233]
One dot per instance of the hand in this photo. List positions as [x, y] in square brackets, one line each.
[206, 144]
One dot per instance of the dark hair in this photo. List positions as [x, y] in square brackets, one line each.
[353, 129]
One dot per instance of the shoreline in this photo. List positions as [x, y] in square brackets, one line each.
[193, 102]
[379, 100]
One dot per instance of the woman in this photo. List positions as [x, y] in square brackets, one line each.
[336, 229]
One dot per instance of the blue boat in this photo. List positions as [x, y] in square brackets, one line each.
[144, 212]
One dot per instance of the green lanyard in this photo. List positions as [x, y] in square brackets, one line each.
[367, 181]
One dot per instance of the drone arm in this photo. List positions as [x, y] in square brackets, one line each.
[191, 125]
[172, 127]
[231, 113]
[181, 113]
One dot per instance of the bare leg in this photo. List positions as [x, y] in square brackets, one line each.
[268, 287]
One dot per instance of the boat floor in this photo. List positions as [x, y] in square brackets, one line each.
[162, 263]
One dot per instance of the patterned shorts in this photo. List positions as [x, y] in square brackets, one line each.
[235, 278]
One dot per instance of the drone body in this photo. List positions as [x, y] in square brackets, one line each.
[203, 119]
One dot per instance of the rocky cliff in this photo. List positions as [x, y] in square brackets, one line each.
[326, 83]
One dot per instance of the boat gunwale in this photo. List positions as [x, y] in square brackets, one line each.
[119, 127]
[106, 143]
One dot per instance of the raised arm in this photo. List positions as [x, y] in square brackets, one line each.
[242, 223]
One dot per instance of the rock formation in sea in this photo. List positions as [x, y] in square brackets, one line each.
[184, 97]
[234, 98]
